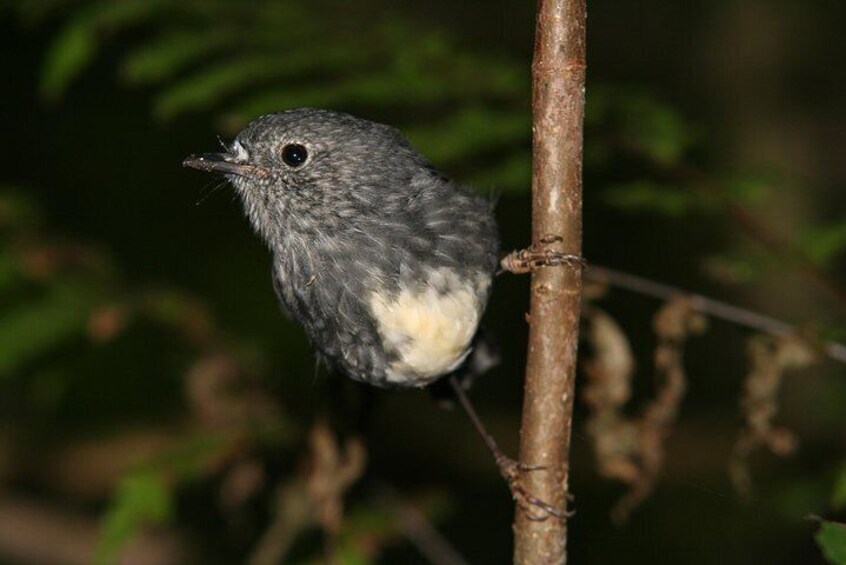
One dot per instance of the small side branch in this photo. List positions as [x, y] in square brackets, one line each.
[709, 306]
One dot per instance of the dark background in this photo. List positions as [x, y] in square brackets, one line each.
[760, 82]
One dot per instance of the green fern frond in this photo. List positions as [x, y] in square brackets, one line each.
[162, 58]
[471, 130]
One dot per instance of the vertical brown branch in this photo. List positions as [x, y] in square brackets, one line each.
[558, 83]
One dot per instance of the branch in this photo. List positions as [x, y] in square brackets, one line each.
[558, 83]
[709, 306]
[419, 531]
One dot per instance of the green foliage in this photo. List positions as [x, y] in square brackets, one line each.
[640, 122]
[657, 129]
[8, 271]
[838, 497]
[643, 195]
[142, 499]
[831, 538]
[165, 56]
[31, 328]
[37, 314]
[741, 265]
[748, 189]
[76, 46]
[824, 244]
[512, 173]
[242, 60]
[471, 129]
[144, 496]
[73, 49]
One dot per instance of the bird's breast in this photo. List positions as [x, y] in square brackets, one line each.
[428, 325]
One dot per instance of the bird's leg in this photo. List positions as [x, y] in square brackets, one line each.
[509, 468]
[538, 255]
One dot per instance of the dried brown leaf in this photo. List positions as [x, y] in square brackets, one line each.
[333, 470]
[632, 450]
[769, 358]
[107, 322]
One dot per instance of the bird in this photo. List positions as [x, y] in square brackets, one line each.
[385, 262]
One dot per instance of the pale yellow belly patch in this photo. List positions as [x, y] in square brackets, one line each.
[430, 330]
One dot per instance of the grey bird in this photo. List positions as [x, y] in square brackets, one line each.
[385, 262]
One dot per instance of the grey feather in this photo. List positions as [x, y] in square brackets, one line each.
[364, 213]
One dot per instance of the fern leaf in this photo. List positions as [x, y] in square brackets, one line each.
[162, 58]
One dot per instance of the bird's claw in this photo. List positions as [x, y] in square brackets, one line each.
[536, 509]
[539, 255]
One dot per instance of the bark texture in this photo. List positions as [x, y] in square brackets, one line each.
[558, 82]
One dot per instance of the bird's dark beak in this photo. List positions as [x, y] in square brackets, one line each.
[222, 163]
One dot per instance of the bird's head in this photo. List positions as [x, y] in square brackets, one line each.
[309, 170]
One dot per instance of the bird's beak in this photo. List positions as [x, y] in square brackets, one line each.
[222, 163]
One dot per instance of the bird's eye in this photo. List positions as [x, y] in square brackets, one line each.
[294, 155]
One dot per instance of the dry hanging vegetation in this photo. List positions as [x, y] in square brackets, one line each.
[631, 449]
[769, 358]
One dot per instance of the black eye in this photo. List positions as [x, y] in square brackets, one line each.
[294, 155]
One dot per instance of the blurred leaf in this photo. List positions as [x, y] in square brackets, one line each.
[258, 58]
[471, 129]
[162, 58]
[799, 496]
[838, 497]
[8, 271]
[201, 90]
[656, 128]
[142, 499]
[824, 244]
[831, 538]
[192, 457]
[33, 328]
[513, 173]
[71, 51]
[375, 89]
[350, 555]
[639, 196]
[76, 45]
[210, 85]
[638, 119]
[373, 520]
[741, 265]
[748, 189]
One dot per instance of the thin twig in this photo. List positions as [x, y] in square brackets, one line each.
[420, 531]
[711, 307]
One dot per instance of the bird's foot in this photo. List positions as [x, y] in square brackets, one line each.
[539, 255]
[535, 508]
[511, 470]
